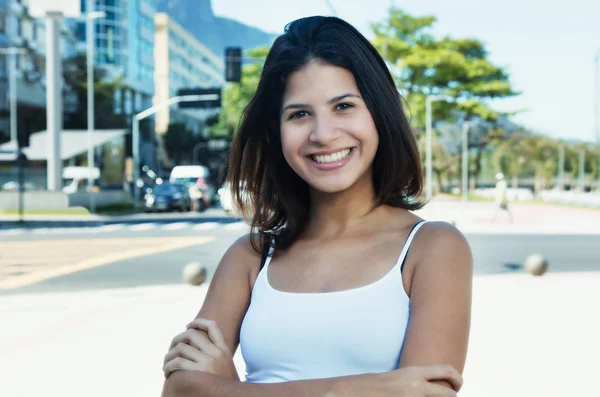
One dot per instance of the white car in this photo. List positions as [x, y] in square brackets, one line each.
[226, 199]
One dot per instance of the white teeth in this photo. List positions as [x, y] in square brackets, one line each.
[330, 158]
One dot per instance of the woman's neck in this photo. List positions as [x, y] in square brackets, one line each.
[335, 214]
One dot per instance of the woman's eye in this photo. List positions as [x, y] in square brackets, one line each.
[344, 106]
[299, 114]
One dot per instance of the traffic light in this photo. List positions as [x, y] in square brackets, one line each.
[233, 64]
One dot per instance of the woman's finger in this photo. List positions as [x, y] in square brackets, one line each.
[198, 340]
[185, 351]
[178, 364]
[213, 330]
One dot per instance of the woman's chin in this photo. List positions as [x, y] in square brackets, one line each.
[330, 187]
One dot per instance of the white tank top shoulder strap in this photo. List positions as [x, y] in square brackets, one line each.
[409, 239]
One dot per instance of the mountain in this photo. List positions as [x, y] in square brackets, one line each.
[216, 33]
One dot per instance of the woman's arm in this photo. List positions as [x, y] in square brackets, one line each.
[441, 267]
[226, 303]
[413, 382]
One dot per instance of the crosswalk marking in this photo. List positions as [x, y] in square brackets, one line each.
[236, 226]
[109, 228]
[206, 226]
[12, 232]
[176, 226]
[43, 230]
[141, 227]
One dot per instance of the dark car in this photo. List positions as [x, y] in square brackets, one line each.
[167, 197]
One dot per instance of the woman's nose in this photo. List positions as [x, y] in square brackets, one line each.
[324, 130]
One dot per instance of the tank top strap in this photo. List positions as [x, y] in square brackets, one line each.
[267, 255]
[411, 236]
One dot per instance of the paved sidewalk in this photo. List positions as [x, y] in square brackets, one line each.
[477, 217]
[530, 337]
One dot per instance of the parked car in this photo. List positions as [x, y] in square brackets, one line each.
[198, 180]
[13, 186]
[75, 179]
[226, 199]
[167, 197]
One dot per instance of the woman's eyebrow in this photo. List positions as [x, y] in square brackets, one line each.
[331, 101]
[341, 97]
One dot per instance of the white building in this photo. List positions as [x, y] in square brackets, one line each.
[181, 61]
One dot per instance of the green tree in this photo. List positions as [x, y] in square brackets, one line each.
[423, 65]
[75, 77]
[179, 142]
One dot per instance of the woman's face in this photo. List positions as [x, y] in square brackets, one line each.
[328, 136]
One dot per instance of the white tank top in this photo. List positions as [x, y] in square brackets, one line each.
[287, 336]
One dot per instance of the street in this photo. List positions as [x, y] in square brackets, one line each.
[155, 253]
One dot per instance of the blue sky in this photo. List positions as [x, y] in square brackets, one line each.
[547, 46]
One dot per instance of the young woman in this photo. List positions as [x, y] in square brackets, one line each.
[339, 290]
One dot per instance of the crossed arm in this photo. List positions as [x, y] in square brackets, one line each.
[438, 283]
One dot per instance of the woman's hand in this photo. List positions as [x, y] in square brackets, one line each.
[193, 350]
[409, 381]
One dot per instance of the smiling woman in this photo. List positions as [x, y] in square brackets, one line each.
[340, 290]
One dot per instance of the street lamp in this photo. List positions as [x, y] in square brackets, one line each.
[12, 76]
[465, 162]
[89, 24]
[429, 155]
[597, 105]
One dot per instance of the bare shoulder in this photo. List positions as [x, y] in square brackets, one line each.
[440, 294]
[242, 249]
[438, 250]
[441, 238]
[240, 257]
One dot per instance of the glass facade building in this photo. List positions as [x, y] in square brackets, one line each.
[124, 43]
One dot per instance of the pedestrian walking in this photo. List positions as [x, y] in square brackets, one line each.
[339, 289]
[501, 198]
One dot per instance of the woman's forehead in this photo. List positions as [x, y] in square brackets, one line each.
[319, 81]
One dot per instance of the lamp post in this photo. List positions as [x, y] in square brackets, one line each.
[465, 162]
[89, 25]
[597, 106]
[429, 149]
[12, 76]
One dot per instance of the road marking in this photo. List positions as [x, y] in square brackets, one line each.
[12, 232]
[176, 226]
[236, 226]
[44, 230]
[110, 228]
[206, 226]
[142, 226]
[120, 249]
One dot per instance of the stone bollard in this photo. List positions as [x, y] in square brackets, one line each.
[194, 273]
[536, 264]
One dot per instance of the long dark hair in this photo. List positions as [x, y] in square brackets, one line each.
[264, 187]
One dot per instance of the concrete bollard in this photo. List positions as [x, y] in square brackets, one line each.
[536, 264]
[194, 273]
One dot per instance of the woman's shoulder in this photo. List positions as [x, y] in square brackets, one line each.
[242, 249]
[241, 256]
[438, 241]
[440, 232]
